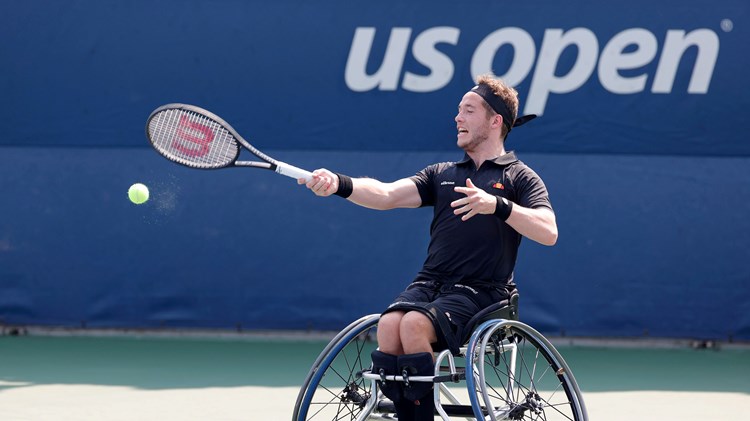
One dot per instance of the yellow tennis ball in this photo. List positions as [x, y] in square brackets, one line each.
[138, 193]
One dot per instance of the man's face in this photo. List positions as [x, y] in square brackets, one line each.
[472, 122]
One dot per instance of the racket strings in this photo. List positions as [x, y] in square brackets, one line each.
[192, 139]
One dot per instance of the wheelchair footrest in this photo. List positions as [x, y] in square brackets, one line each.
[385, 406]
[450, 377]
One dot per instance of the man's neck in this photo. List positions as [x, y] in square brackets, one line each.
[481, 155]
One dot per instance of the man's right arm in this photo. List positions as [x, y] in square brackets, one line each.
[368, 192]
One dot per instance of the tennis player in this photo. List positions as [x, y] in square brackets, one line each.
[483, 205]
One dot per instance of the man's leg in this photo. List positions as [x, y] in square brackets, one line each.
[407, 333]
[385, 359]
[417, 334]
[418, 393]
[389, 337]
[390, 347]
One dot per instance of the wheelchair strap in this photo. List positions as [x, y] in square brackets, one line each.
[439, 321]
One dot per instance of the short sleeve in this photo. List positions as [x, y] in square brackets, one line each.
[531, 191]
[425, 184]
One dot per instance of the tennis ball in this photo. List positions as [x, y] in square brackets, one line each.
[138, 193]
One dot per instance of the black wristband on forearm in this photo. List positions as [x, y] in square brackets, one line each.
[503, 208]
[345, 186]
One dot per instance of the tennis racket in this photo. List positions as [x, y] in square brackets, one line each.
[197, 138]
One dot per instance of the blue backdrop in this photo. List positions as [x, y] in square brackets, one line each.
[641, 143]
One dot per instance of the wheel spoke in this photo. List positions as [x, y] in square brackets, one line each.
[541, 389]
[334, 391]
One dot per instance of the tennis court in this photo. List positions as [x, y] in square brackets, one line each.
[257, 377]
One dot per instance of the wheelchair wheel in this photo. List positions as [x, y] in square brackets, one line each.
[332, 389]
[519, 375]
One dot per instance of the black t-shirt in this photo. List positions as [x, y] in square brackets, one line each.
[482, 250]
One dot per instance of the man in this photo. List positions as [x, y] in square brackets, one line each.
[483, 204]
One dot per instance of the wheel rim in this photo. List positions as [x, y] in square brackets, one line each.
[336, 391]
[538, 386]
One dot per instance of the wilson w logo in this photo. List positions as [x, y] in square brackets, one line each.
[192, 138]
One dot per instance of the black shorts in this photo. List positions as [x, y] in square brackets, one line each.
[458, 302]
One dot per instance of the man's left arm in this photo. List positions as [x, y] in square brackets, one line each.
[537, 224]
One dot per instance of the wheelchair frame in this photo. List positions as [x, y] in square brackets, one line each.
[340, 385]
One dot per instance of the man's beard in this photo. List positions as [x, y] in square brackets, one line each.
[475, 141]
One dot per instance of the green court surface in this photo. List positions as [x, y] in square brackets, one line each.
[236, 378]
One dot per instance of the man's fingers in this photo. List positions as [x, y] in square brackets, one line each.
[464, 209]
[318, 183]
[469, 215]
[468, 205]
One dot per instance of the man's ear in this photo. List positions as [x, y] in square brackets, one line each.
[497, 120]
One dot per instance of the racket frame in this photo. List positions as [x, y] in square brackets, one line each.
[268, 163]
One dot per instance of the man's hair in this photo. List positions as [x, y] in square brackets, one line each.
[508, 94]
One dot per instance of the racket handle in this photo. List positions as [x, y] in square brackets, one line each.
[291, 171]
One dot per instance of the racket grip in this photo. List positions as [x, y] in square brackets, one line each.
[291, 171]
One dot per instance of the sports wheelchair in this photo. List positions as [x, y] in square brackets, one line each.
[510, 371]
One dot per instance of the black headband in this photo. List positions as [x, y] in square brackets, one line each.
[496, 103]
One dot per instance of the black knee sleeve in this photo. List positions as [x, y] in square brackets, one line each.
[387, 364]
[420, 364]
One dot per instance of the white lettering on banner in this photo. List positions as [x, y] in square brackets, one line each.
[544, 80]
[440, 65]
[387, 76]
[677, 42]
[520, 40]
[616, 55]
[613, 59]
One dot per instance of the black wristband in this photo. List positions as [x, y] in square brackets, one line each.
[503, 208]
[345, 186]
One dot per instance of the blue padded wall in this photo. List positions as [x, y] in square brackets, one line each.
[641, 143]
